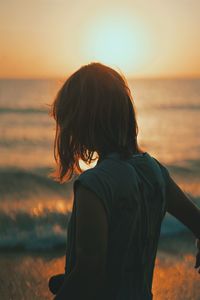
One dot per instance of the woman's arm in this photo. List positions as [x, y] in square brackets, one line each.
[87, 279]
[181, 207]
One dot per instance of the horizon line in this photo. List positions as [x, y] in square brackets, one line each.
[162, 77]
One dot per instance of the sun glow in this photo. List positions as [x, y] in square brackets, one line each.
[124, 44]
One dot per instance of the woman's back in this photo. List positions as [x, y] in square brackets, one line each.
[132, 192]
[119, 206]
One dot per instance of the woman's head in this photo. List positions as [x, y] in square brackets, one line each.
[94, 114]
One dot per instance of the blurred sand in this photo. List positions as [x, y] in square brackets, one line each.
[25, 276]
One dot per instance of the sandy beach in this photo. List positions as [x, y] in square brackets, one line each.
[25, 275]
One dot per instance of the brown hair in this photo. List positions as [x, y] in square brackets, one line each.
[94, 112]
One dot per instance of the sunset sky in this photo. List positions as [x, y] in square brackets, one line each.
[52, 38]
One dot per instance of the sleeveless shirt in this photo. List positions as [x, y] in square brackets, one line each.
[132, 192]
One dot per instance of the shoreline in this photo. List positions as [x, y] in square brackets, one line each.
[177, 243]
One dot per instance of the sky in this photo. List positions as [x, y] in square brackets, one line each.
[141, 38]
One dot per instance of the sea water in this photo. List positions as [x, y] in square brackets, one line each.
[34, 210]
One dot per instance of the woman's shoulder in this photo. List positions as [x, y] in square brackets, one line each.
[114, 170]
[103, 171]
[111, 171]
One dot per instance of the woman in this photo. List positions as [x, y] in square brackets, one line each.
[120, 203]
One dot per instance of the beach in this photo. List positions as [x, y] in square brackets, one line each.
[25, 275]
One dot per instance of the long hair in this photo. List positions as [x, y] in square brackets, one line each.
[94, 113]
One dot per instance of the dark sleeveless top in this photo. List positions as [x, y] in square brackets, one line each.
[132, 192]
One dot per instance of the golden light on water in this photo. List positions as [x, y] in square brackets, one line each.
[58, 206]
[37, 207]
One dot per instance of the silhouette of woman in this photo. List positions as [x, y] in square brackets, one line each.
[119, 204]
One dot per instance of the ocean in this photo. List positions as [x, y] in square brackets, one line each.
[34, 210]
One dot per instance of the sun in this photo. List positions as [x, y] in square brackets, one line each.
[124, 44]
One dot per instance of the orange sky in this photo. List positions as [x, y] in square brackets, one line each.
[51, 38]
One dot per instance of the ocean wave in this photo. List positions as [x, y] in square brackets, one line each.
[21, 183]
[34, 210]
[191, 169]
[194, 106]
[25, 226]
[48, 230]
[171, 226]
[29, 143]
[24, 184]
[28, 110]
[17, 183]
[23, 231]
